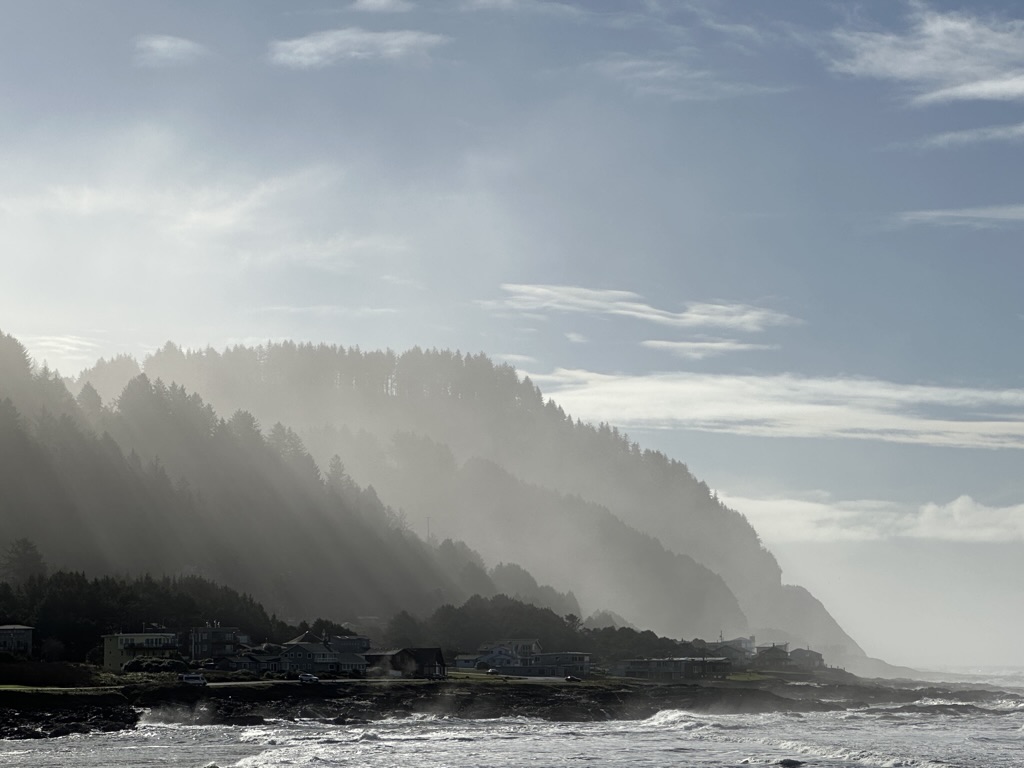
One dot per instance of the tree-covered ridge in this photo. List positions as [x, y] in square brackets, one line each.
[479, 620]
[158, 483]
[70, 612]
[345, 400]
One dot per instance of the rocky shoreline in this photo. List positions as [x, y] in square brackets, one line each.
[38, 713]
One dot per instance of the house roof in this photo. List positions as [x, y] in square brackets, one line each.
[15, 626]
[305, 637]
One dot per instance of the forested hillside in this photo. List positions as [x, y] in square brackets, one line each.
[158, 483]
[480, 452]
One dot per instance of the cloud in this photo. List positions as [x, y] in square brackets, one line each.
[699, 350]
[322, 49]
[818, 517]
[382, 6]
[975, 217]
[547, 7]
[670, 77]
[576, 338]
[568, 298]
[974, 136]
[942, 57]
[516, 360]
[166, 51]
[68, 349]
[792, 406]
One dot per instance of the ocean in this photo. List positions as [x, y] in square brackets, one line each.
[946, 733]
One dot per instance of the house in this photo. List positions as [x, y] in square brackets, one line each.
[122, 647]
[682, 668]
[470, 661]
[772, 657]
[309, 653]
[251, 661]
[214, 641]
[498, 654]
[806, 659]
[16, 638]
[407, 662]
[737, 656]
[350, 643]
[557, 664]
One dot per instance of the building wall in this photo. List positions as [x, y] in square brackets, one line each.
[16, 639]
[119, 649]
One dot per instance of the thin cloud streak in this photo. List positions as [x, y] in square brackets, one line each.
[382, 6]
[944, 57]
[994, 133]
[792, 406]
[671, 78]
[976, 217]
[568, 298]
[823, 519]
[166, 51]
[321, 49]
[700, 350]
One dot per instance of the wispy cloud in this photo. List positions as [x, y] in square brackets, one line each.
[515, 359]
[569, 298]
[973, 217]
[819, 517]
[942, 57]
[576, 338]
[546, 7]
[322, 49]
[673, 77]
[382, 6]
[1008, 133]
[166, 51]
[68, 348]
[793, 406]
[699, 350]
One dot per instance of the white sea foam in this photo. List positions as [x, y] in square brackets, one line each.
[939, 733]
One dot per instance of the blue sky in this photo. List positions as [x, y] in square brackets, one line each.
[779, 241]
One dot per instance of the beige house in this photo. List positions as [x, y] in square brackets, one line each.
[121, 648]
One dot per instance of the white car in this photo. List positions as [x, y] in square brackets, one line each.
[306, 677]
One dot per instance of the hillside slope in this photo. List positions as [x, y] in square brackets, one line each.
[478, 410]
[170, 488]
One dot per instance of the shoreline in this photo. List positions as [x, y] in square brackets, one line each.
[47, 713]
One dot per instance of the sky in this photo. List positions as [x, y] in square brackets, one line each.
[777, 241]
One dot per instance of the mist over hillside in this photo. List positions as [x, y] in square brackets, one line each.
[158, 483]
[474, 452]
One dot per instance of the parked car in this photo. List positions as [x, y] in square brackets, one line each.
[572, 679]
[306, 678]
[192, 679]
[493, 671]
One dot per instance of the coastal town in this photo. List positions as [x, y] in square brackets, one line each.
[229, 649]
